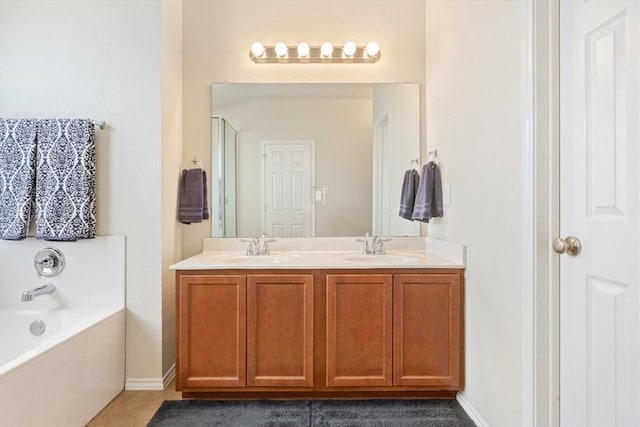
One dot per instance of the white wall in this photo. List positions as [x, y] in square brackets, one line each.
[337, 126]
[474, 119]
[217, 37]
[103, 60]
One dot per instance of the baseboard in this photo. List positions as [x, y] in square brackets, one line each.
[151, 383]
[471, 411]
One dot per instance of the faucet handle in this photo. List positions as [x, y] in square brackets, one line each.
[265, 246]
[365, 248]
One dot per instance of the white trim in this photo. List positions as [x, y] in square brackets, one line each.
[151, 383]
[528, 215]
[144, 384]
[547, 213]
[471, 411]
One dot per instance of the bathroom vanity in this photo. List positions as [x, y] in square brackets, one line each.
[307, 322]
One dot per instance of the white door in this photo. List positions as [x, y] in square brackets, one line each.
[600, 192]
[287, 181]
[381, 202]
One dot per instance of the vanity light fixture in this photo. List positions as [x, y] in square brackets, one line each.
[303, 53]
[349, 49]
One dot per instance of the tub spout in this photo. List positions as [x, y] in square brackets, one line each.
[35, 292]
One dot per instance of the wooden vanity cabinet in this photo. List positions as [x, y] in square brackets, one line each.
[394, 329]
[320, 333]
[244, 330]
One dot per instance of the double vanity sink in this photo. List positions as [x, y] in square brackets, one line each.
[415, 252]
[317, 318]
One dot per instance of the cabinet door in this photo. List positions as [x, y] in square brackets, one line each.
[211, 331]
[280, 330]
[359, 327]
[427, 348]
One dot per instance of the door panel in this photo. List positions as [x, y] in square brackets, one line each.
[599, 298]
[287, 182]
[212, 331]
[280, 330]
[427, 347]
[359, 328]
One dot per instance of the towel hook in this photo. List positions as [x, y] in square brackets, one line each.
[197, 162]
[416, 161]
[433, 156]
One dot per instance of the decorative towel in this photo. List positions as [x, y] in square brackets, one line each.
[428, 202]
[409, 188]
[17, 176]
[66, 180]
[193, 196]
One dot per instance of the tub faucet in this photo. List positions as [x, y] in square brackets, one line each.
[37, 291]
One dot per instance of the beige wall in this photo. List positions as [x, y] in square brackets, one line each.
[217, 37]
[336, 126]
[171, 166]
[475, 120]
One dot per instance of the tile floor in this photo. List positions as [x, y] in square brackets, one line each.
[134, 408]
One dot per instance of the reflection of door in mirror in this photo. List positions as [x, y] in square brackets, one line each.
[287, 179]
[223, 178]
[396, 142]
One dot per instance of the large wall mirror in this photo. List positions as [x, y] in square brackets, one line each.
[312, 160]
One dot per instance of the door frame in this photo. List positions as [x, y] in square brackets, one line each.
[312, 207]
[541, 213]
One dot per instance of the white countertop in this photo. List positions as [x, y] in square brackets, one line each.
[407, 252]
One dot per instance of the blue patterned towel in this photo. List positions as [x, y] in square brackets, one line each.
[17, 175]
[65, 180]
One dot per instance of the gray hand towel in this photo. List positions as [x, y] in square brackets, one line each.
[66, 179]
[193, 196]
[17, 176]
[408, 196]
[428, 202]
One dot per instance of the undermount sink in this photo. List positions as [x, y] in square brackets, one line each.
[261, 260]
[383, 259]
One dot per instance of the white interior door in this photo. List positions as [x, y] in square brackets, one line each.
[381, 200]
[287, 182]
[599, 296]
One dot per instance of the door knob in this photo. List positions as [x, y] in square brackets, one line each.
[571, 245]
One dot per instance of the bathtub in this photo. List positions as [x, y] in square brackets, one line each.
[66, 375]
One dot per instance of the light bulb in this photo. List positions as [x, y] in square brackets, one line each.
[326, 49]
[281, 49]
[349, 48]
[303, 50]
[257, 49]
[372, 49]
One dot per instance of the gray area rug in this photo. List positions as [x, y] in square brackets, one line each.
[314, 413]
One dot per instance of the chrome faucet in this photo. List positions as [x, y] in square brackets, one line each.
[365, 247]
[36, 292]
[375, 247]
[257, 247]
